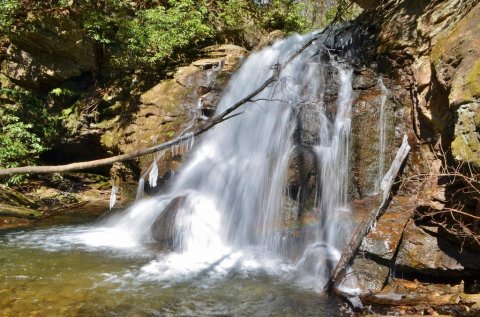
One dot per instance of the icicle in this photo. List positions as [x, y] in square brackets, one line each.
[153, 175]
[140, 188]
[113, 196]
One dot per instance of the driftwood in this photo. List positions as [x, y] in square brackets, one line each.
[368, 223]
[129, 156]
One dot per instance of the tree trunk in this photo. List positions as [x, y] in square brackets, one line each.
[129, 156]
[368, 223]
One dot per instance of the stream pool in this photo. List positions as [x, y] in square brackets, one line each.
[55, 268]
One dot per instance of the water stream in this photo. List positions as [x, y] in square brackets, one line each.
[222, 251]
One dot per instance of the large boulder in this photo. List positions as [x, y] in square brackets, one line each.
[163, 228]
[422, 251]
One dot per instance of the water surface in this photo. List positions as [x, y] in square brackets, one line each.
[53, 270]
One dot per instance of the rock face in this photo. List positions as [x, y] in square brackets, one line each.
[44, 59]
[175, 105]
[372, 103]
[433, 76]
[466, 145]
[163, 228]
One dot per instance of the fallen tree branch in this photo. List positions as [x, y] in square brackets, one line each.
[367, 224]
[129, 156]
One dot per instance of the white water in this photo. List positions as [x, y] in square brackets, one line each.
[234, 181]
[333, 211]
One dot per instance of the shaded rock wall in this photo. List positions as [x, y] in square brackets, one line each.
[429, 52]
[48, 57]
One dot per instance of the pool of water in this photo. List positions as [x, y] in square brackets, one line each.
[56, 268]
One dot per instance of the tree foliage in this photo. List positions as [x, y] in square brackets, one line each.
[26, 128]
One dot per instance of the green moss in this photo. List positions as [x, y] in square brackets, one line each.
[466, 148]
[472, 81]
[110, 140]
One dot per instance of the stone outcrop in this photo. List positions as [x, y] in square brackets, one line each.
[174, 106]
[430, 53]
[47, 58]
[163, 228]
[367, 4]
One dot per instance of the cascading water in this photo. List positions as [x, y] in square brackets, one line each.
[217, 242]
[230, 191]
[333, 210]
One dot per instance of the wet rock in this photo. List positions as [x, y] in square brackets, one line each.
[307, 131]
[163, 228]
[331, 81]
[383, 241]
[372, 265]
[364, 79]
[301, 178]
[365, 141]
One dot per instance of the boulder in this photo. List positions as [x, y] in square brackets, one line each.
[424, 252]
[163, 228]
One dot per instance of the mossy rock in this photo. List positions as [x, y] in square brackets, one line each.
[466, 145]
[19, 212]
[456, 59]
[9, 196]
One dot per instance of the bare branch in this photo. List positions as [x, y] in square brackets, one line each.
[352, 247]
[129, 156]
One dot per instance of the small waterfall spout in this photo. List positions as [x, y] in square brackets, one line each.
[227, 198]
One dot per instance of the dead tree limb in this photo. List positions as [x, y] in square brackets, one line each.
[225, 115]
[367, 224]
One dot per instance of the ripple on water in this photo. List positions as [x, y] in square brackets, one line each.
[56, 272]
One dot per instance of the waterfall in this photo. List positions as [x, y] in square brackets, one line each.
[333, 212]
[227, 197]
